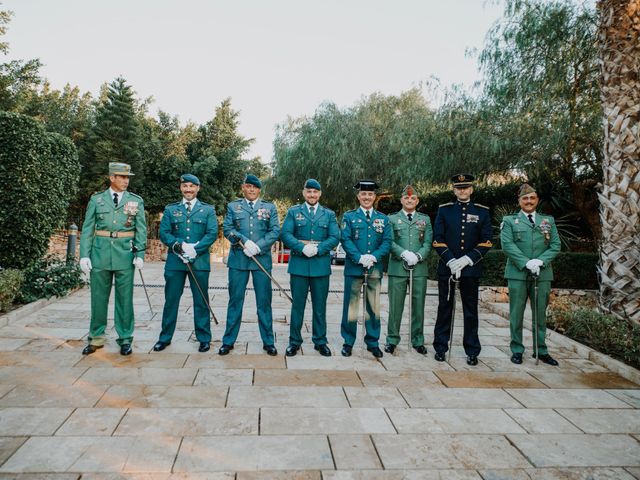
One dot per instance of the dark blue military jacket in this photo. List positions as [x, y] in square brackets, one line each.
[201, 225]
[462, 229]
[360, 237]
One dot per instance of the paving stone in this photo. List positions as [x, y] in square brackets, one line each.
[447, 452]
[38, 359]
[31, 421]
[285, 475]
[566, 398]
[584, 365]
[413, 361]
[442, 420]
[254, 453]
[399, 379]
[35, 375]
[191, 421]
[216, 361]
[354, 452]
[9, 445]
[557, 474]
[287, 421]
[141, 396]
[94, 454]
[140, 376]
[528, 365]
[224, 377]
[363, 397]
[475, 379]
[104, 358]
[40, 476]
[320, 378]
[541, 420]
[634, 471]
[5, 388]
[92, 421]
[471, 398]
[632, 397]
[79, 395]
[335, 362]
[401, 475]
[287, 397]
[591, 380]
[11, 344]
[569, 450]
[604, 420]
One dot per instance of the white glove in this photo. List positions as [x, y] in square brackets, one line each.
[138, 263]
[410, 257]
[456, 266]
[365, 261]
[310, 250]
[183, 258]
[249, 253]
[85, 265]
[465, 261]
[189, 250]
[371, 260]
[534, 265]
[252, 247]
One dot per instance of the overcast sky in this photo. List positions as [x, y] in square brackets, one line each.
[274, 58]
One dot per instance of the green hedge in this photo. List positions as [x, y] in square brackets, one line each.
[571, 270]
[39, 174]
[10, 283]
[50, 277]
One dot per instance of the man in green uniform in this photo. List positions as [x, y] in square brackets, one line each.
[412, 235]
[531, 241]
[188, 227]
[311, 231]
[252, 227]
[366, 239]
[112, 243]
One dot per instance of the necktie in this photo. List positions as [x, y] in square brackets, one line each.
[115, 199]
[530, 217]
[410, 216]
[368, 215]
[312, 211]
[188, 207]
[251, 205]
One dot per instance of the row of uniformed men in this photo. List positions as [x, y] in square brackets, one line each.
[114, 235]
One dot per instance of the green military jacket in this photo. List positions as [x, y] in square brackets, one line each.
[522, 241]
[414, 236]
[113, 253]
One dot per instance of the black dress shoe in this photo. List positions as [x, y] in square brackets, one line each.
[159, 346]
[375, 351]
[389, 348]
[89, 349]
[270, 349]
[324, 350]
[440, 356]
[204, 347]
[125, 349]
[548, 359]
[224, 349]
[346, 350]
[516, 358]
[472, 360]
[421, 349]
[291, 351]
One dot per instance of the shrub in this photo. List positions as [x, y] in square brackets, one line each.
[10, 284]
[38, 176]
[617, 338]
[50, 277]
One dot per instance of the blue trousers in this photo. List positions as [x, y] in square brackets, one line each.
[238, 280]
[174, 286]
[300, 286]
[351, 309]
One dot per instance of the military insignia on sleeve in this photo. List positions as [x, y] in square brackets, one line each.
[472, 218]
[378, 225]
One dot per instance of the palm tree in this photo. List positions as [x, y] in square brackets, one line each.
[619, 53]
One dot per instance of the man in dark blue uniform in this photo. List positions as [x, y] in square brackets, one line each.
[366, 238]
[461, 236]
[252, 227]
[310, 231]
[188, 227]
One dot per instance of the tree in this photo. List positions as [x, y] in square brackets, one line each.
[619, 54]
[541, 92]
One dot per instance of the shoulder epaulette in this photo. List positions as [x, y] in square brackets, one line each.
[97, 193]
[135, 195]
[481, 206]
[175, 203]
[351, 211]
[446, 204]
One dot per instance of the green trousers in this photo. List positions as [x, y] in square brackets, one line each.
[397, 293]
[519, 292]
[100, 291]
[319, 288]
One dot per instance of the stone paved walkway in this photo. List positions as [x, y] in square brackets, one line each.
[181, 414]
